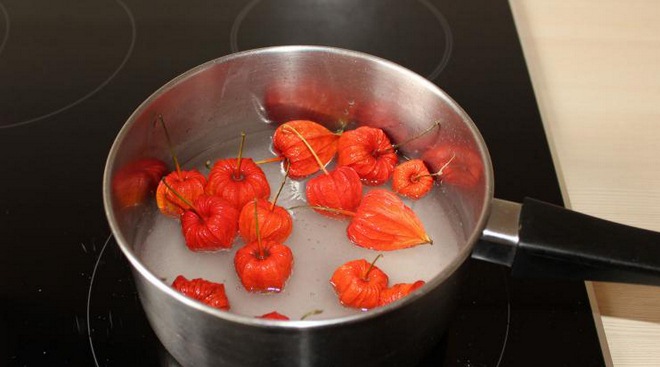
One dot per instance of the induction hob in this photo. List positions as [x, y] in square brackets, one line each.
[72, 72]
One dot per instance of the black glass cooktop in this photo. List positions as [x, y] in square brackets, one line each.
[71, 72]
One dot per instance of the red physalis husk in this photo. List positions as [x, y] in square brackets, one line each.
[237, 185]
[369, 151]
[274, 316]
[189, 184]
[210, 225]
[213, 294]
[275, 223]
[383, 222]
[398, 291]
[288, 143]
[340, 189]
[412, 179]
[133, 182]
[358, 284]
[458, 165]
[265, 267]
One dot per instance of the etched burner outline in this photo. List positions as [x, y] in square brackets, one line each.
[508, 320]
[168, 360]
[5, 17]
[449, 39]
[442, 63]
[89, 300]
[128, 54]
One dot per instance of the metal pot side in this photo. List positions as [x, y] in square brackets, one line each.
[242, 91]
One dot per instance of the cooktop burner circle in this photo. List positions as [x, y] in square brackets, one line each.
[414, 34]
[60, 57]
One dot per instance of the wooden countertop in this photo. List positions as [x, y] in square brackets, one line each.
[595, 67]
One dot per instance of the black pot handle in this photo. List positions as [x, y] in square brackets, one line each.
[539, 239]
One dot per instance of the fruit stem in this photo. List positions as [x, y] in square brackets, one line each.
[279, 191]
[397, 146]
[371, 266]
[269, 160]
[311, 150]
[185, 201]
[440, 171]
[169, 145]
[333, 210]
[237, 173]
[311, 313]
[256, 225]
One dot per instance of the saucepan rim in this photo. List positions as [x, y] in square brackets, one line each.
[464, 252]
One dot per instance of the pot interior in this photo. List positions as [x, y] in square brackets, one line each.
[208, 107]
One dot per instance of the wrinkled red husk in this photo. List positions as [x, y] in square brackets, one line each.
[353, 289]
[288, 144]
[213, 294]
[238, 188]
[133, 182]
[464, 170]
[369, 152]
[384, 223]
[264, 274]
[340, 189]
[398, 291]
[406, 180]
[274, 316]
[189, 184]
[274, 225]
[213, 227]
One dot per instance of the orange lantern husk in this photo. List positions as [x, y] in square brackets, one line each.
[383, 222]
[412, 179]
[189, 184]
[274, 316]
[275, 223]
[358, 284]
[369, 152]
[210, 293]
[211, 225]
[288, 143]
[238, 185]
[398, 291]
[340, 189]
[263, 267]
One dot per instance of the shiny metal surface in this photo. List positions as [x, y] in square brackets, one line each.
[239, 92]
[499, 239]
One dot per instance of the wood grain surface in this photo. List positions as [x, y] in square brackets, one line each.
[595, 68]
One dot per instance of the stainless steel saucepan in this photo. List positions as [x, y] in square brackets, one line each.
[214, 102]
